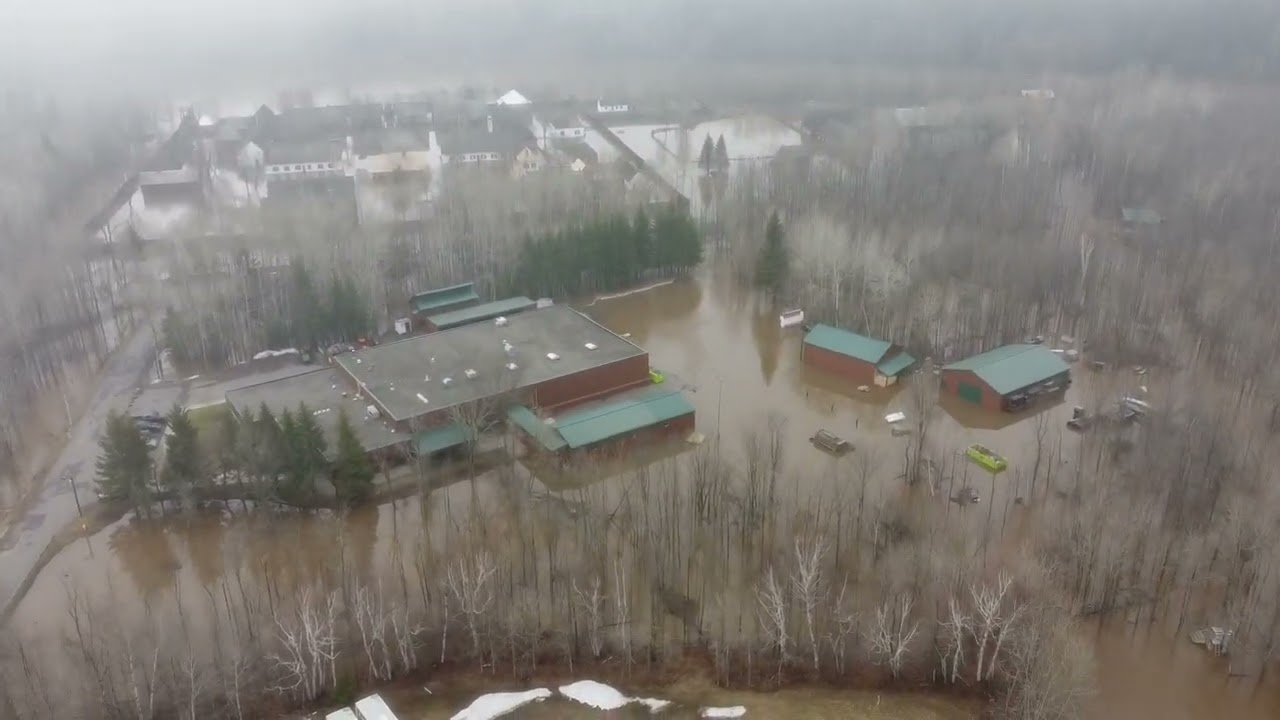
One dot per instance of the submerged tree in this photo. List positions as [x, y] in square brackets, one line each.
[774, 262]
[353, 471]
[124, 467]
[721, 162]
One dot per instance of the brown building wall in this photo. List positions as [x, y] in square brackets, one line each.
[951, 380]
[593, 383]
[674, 428]
[850, 368]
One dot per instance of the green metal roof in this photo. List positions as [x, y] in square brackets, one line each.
[443, 297]
[1141, 216]
[1013, 367]
[895, 365]
[601, 422]
[444, 437]
[478, 313]
[545, 434]
[847, 343]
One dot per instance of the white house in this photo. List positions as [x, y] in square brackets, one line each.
[548, 126]
[304, 160]
[395, 150]
[512, 97]
[617, 108]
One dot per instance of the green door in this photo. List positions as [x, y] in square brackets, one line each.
[972, 393]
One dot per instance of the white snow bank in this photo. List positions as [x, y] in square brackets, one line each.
[654, 704]
[736, 711]
[275, 353]
[604, 697]
[493, 705]
[597, 695]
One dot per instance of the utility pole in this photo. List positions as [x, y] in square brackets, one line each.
[75, 492]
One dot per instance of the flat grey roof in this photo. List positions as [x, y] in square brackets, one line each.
[396, 373]
[322, 391]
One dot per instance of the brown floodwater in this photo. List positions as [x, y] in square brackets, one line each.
[739, 368]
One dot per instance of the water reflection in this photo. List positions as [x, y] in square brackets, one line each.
[143, 549]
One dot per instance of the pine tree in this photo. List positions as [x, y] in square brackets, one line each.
[182, 471]
[722, 156]
[305, 453]
[305, 308]
[124, 466]
[706, 159]
[176, 333]
[773, 264]
[352, 469]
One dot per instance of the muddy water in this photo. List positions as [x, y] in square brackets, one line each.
[739, 368]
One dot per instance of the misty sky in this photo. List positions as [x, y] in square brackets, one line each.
[212, 45]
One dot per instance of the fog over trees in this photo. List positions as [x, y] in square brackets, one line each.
[993, 219]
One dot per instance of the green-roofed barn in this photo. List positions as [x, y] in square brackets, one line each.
[855, 357]
[479, 313]
[1007, 378]
[434, 302]
[645, 413]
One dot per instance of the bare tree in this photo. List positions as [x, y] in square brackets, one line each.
[470, 582]
[809, 588]
[890, 637]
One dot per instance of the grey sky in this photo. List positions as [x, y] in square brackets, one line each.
[185, 45]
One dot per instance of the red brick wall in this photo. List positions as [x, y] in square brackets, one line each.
[846, 367]
[951, 380]
[593, 383]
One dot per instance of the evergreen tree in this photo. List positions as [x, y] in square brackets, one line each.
[182, 471]
[706, 159]
[773, 264]
[352, 469]
[176, 334]
[304, 453]
[349, 316]
[721, 161]
[305, 309]
[124, 466]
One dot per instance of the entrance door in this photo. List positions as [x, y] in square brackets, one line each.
[972, 393]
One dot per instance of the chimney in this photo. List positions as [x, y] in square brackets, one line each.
[489, 122]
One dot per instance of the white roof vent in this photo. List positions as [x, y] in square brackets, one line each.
[426, 378]
[371, 411]
[500, 321]
[471, 374]
[591, 346]
[552, 356]
[423, 398]
[512, 366]
[447, 381]
[507, 347]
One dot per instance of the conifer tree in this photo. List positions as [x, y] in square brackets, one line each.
[181, 472]
[706, 159]
[773, 263]
[124, 465]
[721, 162]
[353, 471]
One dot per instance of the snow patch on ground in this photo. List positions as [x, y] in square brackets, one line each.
[736, 711]
[604, 697]
[654, 704]
[597, 695]
[494, 705]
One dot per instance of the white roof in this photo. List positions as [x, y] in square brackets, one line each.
[512, 97]
[374, 708]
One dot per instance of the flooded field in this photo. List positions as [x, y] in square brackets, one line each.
[744, 375]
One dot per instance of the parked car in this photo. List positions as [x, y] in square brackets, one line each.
[830, 442]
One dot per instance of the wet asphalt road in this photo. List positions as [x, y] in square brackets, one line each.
[22, 544]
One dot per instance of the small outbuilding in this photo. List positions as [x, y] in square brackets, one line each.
[479, 313]
[433, 302]
[1008, 378]
[855, 357]
[611, 424]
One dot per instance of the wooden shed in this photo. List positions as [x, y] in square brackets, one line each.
[1007, 378]
[854, 357]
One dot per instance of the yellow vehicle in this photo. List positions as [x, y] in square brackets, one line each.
[656, 377]
[987, 458]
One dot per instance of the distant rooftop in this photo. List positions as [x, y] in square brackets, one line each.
[402, 374]
[848, 343]
[148, 178]
[444, 297]
[484, 311]
[1013, 367]
[389, 140]
[505, 138]
[322, 391]
[282, 153]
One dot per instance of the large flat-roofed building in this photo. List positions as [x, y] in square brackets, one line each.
[550, 357]
[325, 393]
